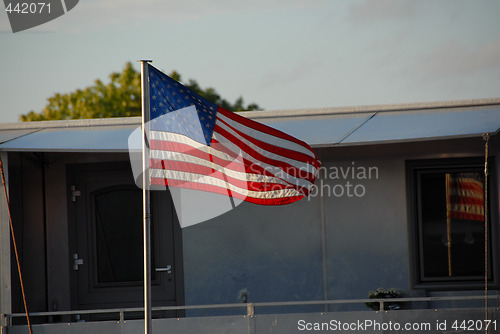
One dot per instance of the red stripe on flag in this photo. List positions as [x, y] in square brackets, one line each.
[207, 171]
[287, 168]
[284, 152]
[466, 216]
[467, 186]
[460, 200]
[179, 148]
[263, 128]
[224, 191]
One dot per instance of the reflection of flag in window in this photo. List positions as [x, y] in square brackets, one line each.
[465, 196]
[464, 201]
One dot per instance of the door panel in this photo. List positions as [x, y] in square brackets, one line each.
[106, 213]
[116, 235]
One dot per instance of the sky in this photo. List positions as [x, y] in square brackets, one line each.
[280, 54]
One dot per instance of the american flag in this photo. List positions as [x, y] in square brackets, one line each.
[465, 196]
[196, 144]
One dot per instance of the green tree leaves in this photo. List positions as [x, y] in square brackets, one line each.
[121, 97]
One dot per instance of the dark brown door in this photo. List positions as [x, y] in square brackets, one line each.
[107, 257]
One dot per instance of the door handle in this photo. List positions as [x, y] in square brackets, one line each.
[167, 269]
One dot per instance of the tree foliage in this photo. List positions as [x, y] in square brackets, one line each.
[121, 97]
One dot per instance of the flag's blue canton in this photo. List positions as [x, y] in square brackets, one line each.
[167, 95]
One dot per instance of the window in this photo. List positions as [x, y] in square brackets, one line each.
[448, 230]
[118, 236]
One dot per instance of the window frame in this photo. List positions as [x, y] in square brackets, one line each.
[414, 169]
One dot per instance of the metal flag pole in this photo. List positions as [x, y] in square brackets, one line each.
[448, 186]
[145, 197]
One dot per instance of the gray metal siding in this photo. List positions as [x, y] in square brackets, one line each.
[367, 235]
[273, 253]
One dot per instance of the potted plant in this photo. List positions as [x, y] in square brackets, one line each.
[384, 293]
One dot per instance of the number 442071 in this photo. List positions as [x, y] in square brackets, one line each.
[474, 325]
[28, 8]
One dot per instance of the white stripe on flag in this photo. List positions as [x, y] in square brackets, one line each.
[217, 182]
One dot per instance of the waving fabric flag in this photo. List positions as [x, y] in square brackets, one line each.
[196, 144]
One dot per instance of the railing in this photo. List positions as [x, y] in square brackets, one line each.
[121, 313]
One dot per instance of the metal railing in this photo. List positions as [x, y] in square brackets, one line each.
[120, 313]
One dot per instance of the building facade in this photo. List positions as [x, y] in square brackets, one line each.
[376, 219]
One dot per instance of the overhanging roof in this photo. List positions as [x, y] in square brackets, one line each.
[362, 125]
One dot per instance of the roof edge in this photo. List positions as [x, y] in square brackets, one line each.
[305, 112]
[372, 108]
[70, 123]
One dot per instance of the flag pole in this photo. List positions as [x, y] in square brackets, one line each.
[145, 197]
[448, 219]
